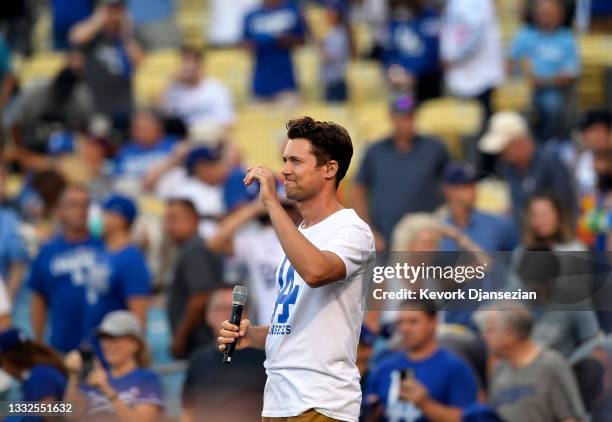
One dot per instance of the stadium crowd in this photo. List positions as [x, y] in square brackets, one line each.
[124, 226]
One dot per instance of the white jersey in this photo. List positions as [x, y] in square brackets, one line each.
[312, 342]
[209, 100]
[260, 251]
[470, 38]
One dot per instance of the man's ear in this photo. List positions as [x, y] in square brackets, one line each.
[331, 169]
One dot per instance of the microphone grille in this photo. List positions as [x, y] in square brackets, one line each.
[239, 295]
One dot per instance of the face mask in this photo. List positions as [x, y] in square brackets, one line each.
[95, 222]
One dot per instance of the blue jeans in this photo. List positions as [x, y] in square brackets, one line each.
[550, 105]
[336, 91]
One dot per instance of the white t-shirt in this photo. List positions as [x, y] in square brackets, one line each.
[229, 21]
[209, 100]
[260, 250]
[311, 346]
[470, 39]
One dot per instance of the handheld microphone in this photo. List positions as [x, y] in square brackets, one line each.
[239, 297]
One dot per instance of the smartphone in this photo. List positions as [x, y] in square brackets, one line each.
[87, 356]
[407, 373]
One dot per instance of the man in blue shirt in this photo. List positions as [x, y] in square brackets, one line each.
[123, 280]
[414, 46]
[490, 232]
[526, 169]
[553, 65]
[422, 382]
[149, 147]
[399, 175]
[271, 32]
[61, 273]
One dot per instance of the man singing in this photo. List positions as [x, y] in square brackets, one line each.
[311, 341]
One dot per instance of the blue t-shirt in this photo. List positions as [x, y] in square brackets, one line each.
[61, 273]
[134, 161]
[147, 11]
[66, 13]
[12, 246]
[414, 44]
[140, 386]
[549, 53]
[448, 380]
[545, 173]
[43, 381]
[235, 192]
[490, 232]
[273, 66]
[601, 8]
[123, 274]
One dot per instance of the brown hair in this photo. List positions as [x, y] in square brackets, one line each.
[329, 141]
[30, 353]
[143, 357]
[192, 51]
[563, 234]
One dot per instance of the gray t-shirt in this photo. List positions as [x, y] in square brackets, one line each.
[544, 391]
[399, 182]
[196, 270]
[564, 331]
[108, 73]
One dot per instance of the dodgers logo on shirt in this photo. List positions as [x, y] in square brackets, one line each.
[285, 301]
[397, 409]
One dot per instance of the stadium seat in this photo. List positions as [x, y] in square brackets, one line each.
[366, 82]
[596, 56]
[307, 70]
[493, 196]
[513, 94]
[451, 120]
[259, 133]
[40, 66]
[372, 121]
[233, 68]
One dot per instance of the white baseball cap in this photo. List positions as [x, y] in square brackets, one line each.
[504, 127]
[206, 132]
[119, 324]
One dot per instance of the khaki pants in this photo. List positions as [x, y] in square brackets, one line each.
[308, 416]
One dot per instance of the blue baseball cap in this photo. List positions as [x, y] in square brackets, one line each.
[11, 338]
[403, 104]
[121, 205]
[201, 154]
[61, 143]
[457, 173]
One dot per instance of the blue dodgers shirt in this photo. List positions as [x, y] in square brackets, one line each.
[123, 274]
[134, 161]
[550, 53]
[447, 378]
[273, 65]
[12, 246]
[414, 43]
[60, 274]
[43, 381]
[490, 232]
[140, 386]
